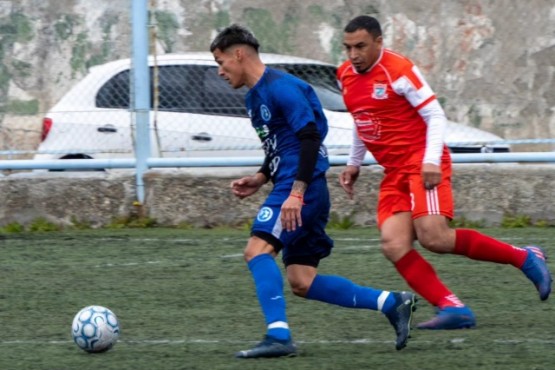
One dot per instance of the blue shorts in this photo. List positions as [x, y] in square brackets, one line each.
[308, 244]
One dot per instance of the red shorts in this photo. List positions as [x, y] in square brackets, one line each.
[405, 192]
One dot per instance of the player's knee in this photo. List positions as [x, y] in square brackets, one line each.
[393, 250]
[248, 255]
[435, 235]
[387, 251]
[433, 243]
[256, 247]
[299, 288]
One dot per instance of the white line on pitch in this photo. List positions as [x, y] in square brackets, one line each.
[235, 255]
[130, 264]
[224, 341]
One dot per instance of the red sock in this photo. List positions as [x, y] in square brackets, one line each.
[422, 278]
[475, 245]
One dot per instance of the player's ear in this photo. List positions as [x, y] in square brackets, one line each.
[238, 53]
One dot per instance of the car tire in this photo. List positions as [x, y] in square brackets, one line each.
[77, 156]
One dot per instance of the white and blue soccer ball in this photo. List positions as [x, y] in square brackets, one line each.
[95, 329]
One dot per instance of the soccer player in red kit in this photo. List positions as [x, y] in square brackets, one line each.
[399, 120]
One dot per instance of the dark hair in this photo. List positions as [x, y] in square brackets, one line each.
[365, 22]
[234, 35]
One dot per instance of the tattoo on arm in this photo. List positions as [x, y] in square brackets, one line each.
[299, 187]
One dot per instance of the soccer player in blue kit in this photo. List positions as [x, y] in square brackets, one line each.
[290, 122]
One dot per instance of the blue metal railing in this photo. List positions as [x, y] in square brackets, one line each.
[84, 164]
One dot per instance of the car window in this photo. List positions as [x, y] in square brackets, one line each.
[180, 88]
[220, 98]
[115, 92]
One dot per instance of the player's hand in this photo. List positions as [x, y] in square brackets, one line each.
[431, 175]
[347, 179]
[291, 212]
[247, 186]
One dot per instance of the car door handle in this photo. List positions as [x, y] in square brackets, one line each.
[202, 136]
[107, 128]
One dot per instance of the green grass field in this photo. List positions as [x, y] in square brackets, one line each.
[185, 300]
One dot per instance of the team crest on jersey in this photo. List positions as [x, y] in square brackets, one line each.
[380, 91]
[265, 214]
[265, 113]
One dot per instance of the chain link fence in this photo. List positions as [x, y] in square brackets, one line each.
[194, 113]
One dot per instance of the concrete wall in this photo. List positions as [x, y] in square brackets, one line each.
[202, 197]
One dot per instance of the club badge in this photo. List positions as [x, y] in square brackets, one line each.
[380, 91]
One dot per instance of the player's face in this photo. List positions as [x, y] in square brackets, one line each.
[230, 67]
[363, 50]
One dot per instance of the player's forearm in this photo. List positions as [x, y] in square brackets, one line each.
[310, 141]
[299, 187]
[261, 178]
[265, 170]
[435, 118]
[357, 151]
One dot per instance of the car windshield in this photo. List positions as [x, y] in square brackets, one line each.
[323, 80]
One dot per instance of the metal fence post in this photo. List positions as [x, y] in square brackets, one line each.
[140, 90]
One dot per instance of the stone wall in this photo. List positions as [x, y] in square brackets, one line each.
[202, 197]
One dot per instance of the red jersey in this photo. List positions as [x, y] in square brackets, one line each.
[384, 102]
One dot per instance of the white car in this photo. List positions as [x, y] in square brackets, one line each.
[198, 114]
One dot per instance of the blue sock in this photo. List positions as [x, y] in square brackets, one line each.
[269, 289]
[343, 292]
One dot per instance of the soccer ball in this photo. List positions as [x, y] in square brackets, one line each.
[95, 329]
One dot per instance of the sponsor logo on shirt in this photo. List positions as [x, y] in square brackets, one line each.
[269, 145]
[265, 214]
[262, 131]
[380, 91]
[368, 126]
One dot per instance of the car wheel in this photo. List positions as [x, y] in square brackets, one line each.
[78, 156]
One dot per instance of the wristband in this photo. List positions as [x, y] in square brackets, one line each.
[298, 196]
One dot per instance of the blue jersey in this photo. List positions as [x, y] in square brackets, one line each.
[280, 105]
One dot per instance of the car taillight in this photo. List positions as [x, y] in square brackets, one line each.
[46, 126]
